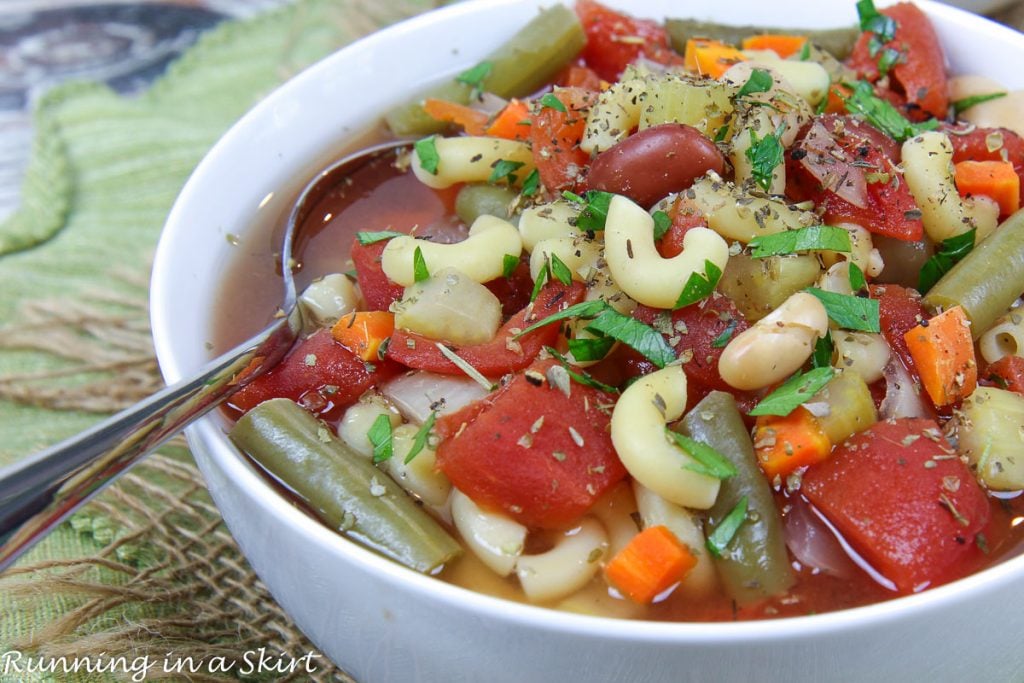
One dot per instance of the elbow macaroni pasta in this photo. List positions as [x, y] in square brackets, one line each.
[567, 567]
[735, 215]
[1005, 338]
[494, 538]
[471, 159]
[545, 221]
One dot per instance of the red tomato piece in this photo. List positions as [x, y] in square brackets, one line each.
[900, 496]
[1008, 372]
[829, 165]
[378, 290]
[987, 144]
[615, 40]
[555, 137]
[692, 331]
[685, 216]
[899, 311]
[578, 76]
[319, 373]
[920, 72]
[501, 355]
[513, 292]
[531, 451]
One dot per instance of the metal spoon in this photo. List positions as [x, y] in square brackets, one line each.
[40, 491]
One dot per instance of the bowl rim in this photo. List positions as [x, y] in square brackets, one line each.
[209, 433]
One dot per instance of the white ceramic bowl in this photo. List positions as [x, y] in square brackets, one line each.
[382, 622]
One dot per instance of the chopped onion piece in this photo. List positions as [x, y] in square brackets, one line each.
[902, 395]
[419, 393]
[813, 544]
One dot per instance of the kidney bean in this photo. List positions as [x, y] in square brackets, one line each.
[655, 162]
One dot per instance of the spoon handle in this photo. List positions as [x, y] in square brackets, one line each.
[43, 489]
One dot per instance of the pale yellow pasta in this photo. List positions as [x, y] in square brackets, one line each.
[655, 510]
[616, 510]
[646, 451]
[567, 567]
[614, 115]
[862, 353]
[480, 256]
[356, 422]
[637, 267]
[328, 298]
[862, 251]
[990, 433]
[471, 159]
[928, 172]
[1005, 338]
[776, 346]
[544, 221]
[579, 254]
[1003, 112]
[495, 539]
[736, 215]
[449, 306]
[420, 476]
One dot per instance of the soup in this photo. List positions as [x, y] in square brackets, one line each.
[680, 378]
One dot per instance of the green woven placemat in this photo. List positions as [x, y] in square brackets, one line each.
[148, 569]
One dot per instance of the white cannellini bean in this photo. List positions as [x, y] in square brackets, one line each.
[776, 346]
[638, 434]
[328, 298]
[567, 567]
[863, 353]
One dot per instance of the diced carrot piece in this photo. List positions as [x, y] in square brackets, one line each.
[785, 443]
[650, 564]
[363, 332]
[780, 44]
[997, 180]
[837, 94]
[472, 121]
[512, 122]
[710, 57]
[943, 354]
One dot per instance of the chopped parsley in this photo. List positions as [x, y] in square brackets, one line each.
[888, 58]
[857, 279]
[805, 51]
[699, 286]
[596, 348]
[849, 312]
[504, 169]
[509, 263]
[542, 278]
[662, 222]
[551, 101]
[585, 309]
[475, 77]
[419, 266]
[426, 152]
[531, 183]
[962, 105]
[883, 27]
[560, 270]
[419, 442]
[765, 154]
[950, 252]
[722, 340]
[581, 378]
[723, 533]
[759, 81]
[821, 357]
[595, 209]
[882, 115]
[371, 237]
[793, 392]
[708, 461]
[380, 438]
[824, 237]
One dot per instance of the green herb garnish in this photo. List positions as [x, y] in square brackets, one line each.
[805, 51]
[719, 539]
[426, 152]
[419, 442]
[699, 286]
[857, 279]
[560, 270]
[793, 392]
[371, 237]
[765, 154]
[595, 209]
[551, 101]
[849, 312]
[531, 184]
[874, 21]
[662, 222]
[475, 77]
[504, 169]
[962, 105]
[380, 437]
[419, 266]
[641, 337]
[759, 81]
[822, 355]
[722, 340]
[950, 252]
[538, 284]
[882, 115]
[722, 133]
[590, 349]
[709, 462]
[889, 57]
[584, 309]
[580, 377]
[823, 237]
[509, 263]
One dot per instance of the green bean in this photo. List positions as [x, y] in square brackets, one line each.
[838, 41]
[475, 200]
[755, 564]
[527, 62]
[345, 490]
[988, 280]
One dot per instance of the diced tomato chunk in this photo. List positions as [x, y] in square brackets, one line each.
[616, 40]
[531, 451]
[692, 332]
[378, 290]
[987, 144]
[900, 496]
[1007, 372]
[899, 311]
[685, 216]
[514, 291]
[501, 355]
[555, 138]
[319, 373]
